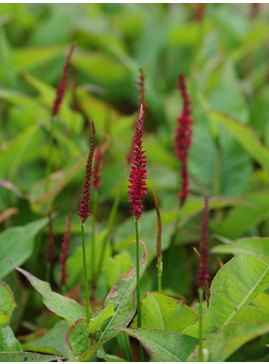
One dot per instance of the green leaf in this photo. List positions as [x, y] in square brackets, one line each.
[256, 246]
[245, 135]
[21, 356]
[164, 345]
[255, 211]
[96, 322]
[62, 306]
[16, 243]
[7, 304]
[58, 180]
[8, 342]
[27, 57]
[262, 301]
[122, 294]
[116, 266]
[80, 344]
[51, 343]
[162, 312]
[234, 286]
[231, 338]
[77, 338]
[19, 150]
[251, 314]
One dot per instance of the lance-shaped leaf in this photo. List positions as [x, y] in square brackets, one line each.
[122, 294]
[245, 135]
[224, 343]
[162, 312]
[8, 342]
[234, 286]
[51, 343]
[62, 306]
[7, 304]
[16, 243]
[164, 345]
[21, 356]
[258, 247]
[58, 180]
[79, 342]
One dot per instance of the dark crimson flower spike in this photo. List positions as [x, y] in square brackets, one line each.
[62, 84]
[183, 138]
[203, 275]
[64, 252]
[84, 211]
[138, 173]
[96, 170]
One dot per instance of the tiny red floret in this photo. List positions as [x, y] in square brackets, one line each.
[138, 173]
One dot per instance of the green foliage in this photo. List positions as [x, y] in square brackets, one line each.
[231, 290]
[16, 243]
[164, 345]
[225, 64]
[7, 304]
[62, 306]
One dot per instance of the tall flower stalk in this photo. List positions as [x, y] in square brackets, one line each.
[137, 191]
[182, 144]
[60, 92]
[203, 275]
[158, 242]
[64, 253]
[96, 174]
[84, 213]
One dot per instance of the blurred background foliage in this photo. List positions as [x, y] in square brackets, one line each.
[222, 49]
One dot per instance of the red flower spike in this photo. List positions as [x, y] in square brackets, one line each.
[64, 252]
[183, 138]
[203, 275]
[138, 173]
[62, 84]
[96, 174]
[84, 211]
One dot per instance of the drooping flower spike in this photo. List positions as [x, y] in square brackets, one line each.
[60, 91]
[203, 275]
[84, 211]
[64, 252]
[138, 173]
[182, 138]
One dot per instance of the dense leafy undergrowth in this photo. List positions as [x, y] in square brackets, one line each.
[222, 51]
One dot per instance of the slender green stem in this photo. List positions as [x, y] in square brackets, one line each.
[94, 205]
[169, 267]
[200, 294]
[48, 169]
[138, 286]
[160, 272]
[111, 222]
[86, 290]
[137, 275]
